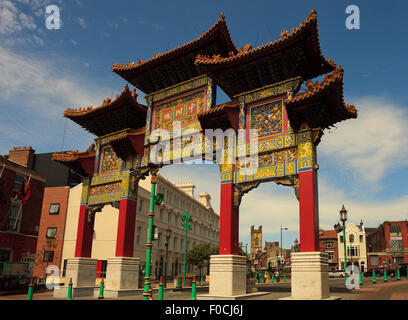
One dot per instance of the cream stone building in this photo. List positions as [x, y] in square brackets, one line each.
[177, 199]
[356, 246]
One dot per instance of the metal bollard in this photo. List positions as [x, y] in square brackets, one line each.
[361, 279]
[193, 290]
[101, 289]
[201, 282]
[385, 276]
[284, 278]
[30, 290]
[161, 289]
[374, 280]
[398, 274]
[69, 289]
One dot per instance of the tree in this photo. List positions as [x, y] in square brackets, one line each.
[199, 256]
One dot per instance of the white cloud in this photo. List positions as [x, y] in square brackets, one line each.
[373, 144]
[82, 22]
[27, 21]
[39, 90]
[9, 22]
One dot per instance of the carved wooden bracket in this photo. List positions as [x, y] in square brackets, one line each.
[92, 210]
[292, 181]
[242, 188]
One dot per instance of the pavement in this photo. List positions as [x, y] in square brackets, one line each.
[391, 290]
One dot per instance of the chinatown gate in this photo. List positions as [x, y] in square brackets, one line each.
[263, 84]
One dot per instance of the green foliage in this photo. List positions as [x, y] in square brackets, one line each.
[199, 256]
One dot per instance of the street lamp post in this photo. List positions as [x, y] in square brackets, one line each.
[281, 240]
[343, 219]
[186, 220]
[154, 199]
[168, 234]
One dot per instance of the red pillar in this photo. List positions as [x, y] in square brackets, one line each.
[228, 221]
[309, 211]
[126, 228]
[83, 247]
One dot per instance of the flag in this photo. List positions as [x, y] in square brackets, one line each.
[24, 192]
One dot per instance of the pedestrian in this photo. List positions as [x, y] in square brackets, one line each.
[277, 275]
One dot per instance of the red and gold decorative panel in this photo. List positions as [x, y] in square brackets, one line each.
[110, 161]
[183, 109]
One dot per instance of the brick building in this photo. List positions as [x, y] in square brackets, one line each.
[19, 224]
[329, 244]
[387, 245]
[51, 231]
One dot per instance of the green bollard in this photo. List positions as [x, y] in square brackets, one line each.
[361, 279]
[177, 282]
[374, 280]
[30, 291]
[193, 290]
[202, 281]
[69, 289]
[284, 278]
[273, 278]
[398, 274]
[101, 289]
[161, 289]
[385, 276]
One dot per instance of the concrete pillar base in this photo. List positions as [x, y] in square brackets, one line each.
[310, 277]
[122, 273]
[227, 275]
[82, 271]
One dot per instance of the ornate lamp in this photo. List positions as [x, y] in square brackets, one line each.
[343, 215]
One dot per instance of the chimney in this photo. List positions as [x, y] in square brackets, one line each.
[187, 187]
[23, 156]
[205, 200]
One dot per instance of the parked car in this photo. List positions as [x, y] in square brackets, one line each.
[379, 272]
[336, 274]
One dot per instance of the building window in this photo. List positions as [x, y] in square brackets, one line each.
[51, 233]
[18, 180]
[161, 214]
[169, 218]
[159, 240]
[138, 231]
[351, 238]
[181, 244]
[12, 218]
[361, 238]
[330, 255]
[5, 255]
[353, 251]
[395, 231]
[140, 205]
[48, 256]
[176, 220]
[175, 244]
[329, 245]
[54, 208]
[64, 268]
[374, 261]
[341, 239]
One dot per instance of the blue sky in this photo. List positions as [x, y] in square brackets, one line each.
[362, 162]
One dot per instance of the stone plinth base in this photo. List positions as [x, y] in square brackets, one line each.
[122, 274]
[310, 277]
[82, 271]
[118, 293]
[62, 292]
[227, 276]
[236, 297]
